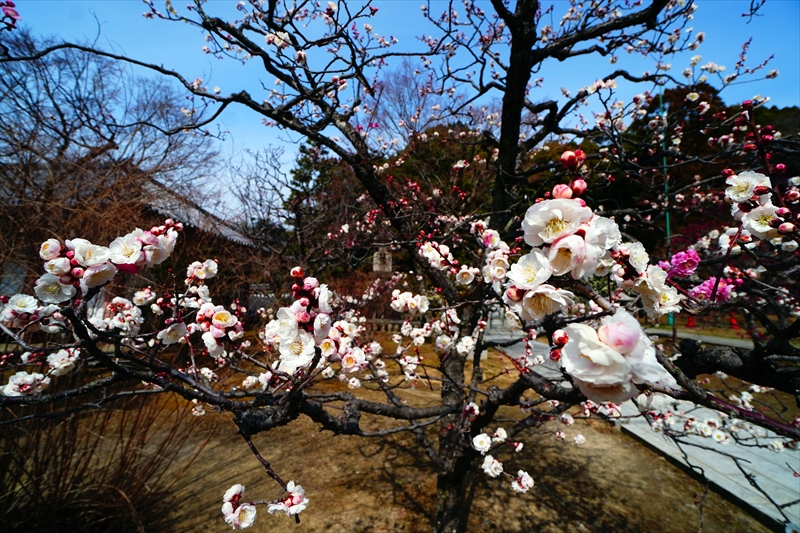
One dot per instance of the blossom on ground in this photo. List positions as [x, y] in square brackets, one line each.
[293, 503]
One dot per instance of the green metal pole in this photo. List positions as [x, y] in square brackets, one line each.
[670, 317]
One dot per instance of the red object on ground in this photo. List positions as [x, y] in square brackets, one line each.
[690, 322]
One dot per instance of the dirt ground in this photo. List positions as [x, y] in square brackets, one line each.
[610, 484]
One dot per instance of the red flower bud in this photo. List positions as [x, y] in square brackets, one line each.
[560, 337]
[728, 172]
[515, 294]
[297, 272]
[761, 189]
[745, 207]
[562, 191]
[749, 147]
[77, 272]
[784, 212]
[791, 196]
[578, 186]
[747, 104]
[775, 223]
[555, 354]
[787, 227]
[780, 168]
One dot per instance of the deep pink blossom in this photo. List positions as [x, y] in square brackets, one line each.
[682, 264]
[703, 291]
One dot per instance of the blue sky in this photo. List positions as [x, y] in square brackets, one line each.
[123, 29]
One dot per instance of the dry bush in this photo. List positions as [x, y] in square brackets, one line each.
[95, 472]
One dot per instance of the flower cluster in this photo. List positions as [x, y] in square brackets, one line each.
[607, 363]
[405, 302]
[238, 515]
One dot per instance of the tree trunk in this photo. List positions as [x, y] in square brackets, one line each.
[453, 501]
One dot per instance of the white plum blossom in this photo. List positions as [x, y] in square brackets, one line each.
[757, 222]
[482, 443]
[173, 334]
[21, 303]
[544, 300]
[62, 361]
[523, 482]
[88, 254]
[606, 363]
[49, 289]
[296, 352]
[97, 275]
[465, 346]
[234, 493]
[658, 298]
[743, 185]
[24, 384]
[50, 249]
[500, 435]
[492, 467]
[546, 221]
[58, 266]
[443, 343]
[566, 253]
[637, 255]
[127, 250]
[466, 275]
[531, 270]
[293, 503]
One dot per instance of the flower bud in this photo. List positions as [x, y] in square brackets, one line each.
[560, 337]
[619, 336]
[745, 207]
[303, 302]
[780, 168]
[728, 172]
[555, 355]
[761, 189]
[784, 212]
[747, 104]
[767, 138]
[66, 279]
[578, 186]
[77, 272]
[787, 227]
[309, 284]
[515, 294]
[775, 222]
[791, 196]
[178, 226]
[749, 147]
[562, 191]
[572, 160]
[297, 272]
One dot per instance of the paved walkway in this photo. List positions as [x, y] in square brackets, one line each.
[773, 472]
